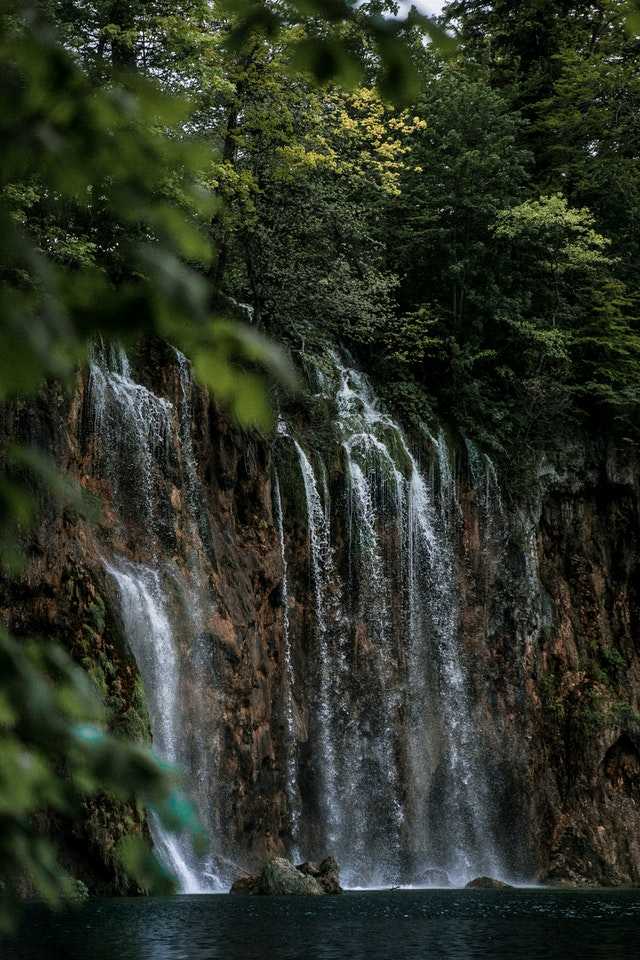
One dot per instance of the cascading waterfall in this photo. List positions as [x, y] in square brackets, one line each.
[322, 574]
[163, 607]
[485, 482]
[455, 829]
[292, 789]
[375, 495]
[405, 789]
[135, 429]
[151, 639]
[398, 780]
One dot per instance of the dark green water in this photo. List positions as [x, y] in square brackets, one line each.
[430, 925]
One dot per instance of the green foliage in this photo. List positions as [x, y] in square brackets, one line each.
[571, 317]
[326, 51]
[466, 162]
[103, 218]
[51, 722]
[571, 72]
[615, 663]
[623, 714]
[307, 179]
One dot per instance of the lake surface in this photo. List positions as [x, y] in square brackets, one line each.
[386, 925]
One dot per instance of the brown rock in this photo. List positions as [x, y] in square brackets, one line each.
[329, 875]
[244, 885]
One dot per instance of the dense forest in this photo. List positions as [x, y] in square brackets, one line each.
[480, 240]
[456, 203]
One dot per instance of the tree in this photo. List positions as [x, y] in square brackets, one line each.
[574, 329]
[522, 45]
[590, 125]
[466, 164]
[307, 180]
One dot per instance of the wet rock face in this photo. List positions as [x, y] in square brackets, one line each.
[587, 681]
[622, 767]
[548, 619]
[66, 594]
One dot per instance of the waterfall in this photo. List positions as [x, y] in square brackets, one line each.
[163, 605]
[392, 776]
[457, 832]
[322, 575]
[134, 426]
[292, 789]
[485, 482]
[404, 780]
[375, 493]
[151, 639]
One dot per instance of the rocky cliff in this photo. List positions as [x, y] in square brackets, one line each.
[354, 639]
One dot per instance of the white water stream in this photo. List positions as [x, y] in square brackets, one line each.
[405, 790]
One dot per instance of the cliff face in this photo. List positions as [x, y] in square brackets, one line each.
[373, 646]
[555, 640]
[587, 675]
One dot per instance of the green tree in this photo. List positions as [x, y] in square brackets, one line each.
[593, 137]
[307, 177]
[466, 164]
[573, 330]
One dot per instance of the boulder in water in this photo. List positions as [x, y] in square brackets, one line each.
[280, 877]
[329, 875]
[488, 883]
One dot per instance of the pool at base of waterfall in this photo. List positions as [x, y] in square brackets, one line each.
[536, 924]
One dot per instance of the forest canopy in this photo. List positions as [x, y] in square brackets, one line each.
[464, 211]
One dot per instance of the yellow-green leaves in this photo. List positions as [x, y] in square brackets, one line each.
[562, 237]
[356, 136]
